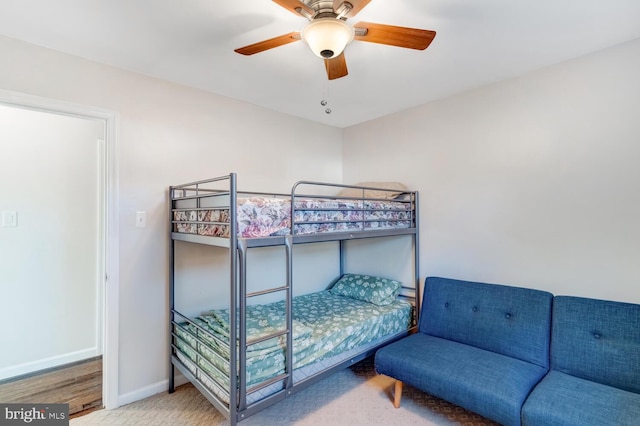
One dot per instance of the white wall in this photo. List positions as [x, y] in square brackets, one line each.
[169, 134]
[49, 281]
[533, 181]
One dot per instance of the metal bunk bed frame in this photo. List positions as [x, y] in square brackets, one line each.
[238, 408]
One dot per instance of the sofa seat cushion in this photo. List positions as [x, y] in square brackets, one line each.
[564, 400]
[490, 384]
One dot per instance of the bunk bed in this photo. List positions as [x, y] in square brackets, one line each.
[246, 356]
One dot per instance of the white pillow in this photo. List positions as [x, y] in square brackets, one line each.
[394, 189]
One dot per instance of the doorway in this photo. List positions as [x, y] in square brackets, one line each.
[58, 249]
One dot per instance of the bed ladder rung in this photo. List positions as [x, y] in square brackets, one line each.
[267, 383]
[267, 291]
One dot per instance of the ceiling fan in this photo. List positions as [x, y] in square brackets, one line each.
[327, 32]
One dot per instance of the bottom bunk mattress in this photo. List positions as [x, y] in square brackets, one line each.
[324, 325]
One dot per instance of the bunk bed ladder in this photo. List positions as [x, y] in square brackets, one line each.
[243, 297]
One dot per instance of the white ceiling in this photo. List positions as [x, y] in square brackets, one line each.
[191, 42]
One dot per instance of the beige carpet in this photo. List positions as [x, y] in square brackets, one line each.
[355, 396]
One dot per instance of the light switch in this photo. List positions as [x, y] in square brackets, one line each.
[9, 219]
[141, 219]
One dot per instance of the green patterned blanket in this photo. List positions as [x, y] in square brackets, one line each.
[324, 325]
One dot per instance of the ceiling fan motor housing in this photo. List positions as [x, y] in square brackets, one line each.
[322, 7]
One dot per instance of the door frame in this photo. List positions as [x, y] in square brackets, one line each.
[110, 308]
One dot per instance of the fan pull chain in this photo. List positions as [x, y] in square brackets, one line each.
[324, 101]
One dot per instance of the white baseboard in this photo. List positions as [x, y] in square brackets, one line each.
[147, 391]
[43, 364]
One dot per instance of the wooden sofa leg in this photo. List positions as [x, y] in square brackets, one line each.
[398, 394]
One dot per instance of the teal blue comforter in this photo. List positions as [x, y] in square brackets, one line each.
[324, 325]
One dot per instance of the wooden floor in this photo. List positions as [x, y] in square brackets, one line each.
[78, 384]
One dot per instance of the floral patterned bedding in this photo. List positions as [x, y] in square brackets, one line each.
[262, 217]
[324, 325]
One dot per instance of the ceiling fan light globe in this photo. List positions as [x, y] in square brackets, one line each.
[327, 37]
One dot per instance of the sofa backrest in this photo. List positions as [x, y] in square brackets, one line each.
[512, 321]
[597, 340]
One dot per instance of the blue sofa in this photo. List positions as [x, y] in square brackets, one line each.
[595, 366]
[480, 346]
[490, 349]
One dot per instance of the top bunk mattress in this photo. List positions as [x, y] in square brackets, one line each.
[270, 216]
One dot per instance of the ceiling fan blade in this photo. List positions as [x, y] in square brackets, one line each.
[356, 6]
[261, 46]
[296, 6]
[411, 38]
[336, 67]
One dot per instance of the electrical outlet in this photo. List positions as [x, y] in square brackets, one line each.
[141, 219]
[9, 219]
